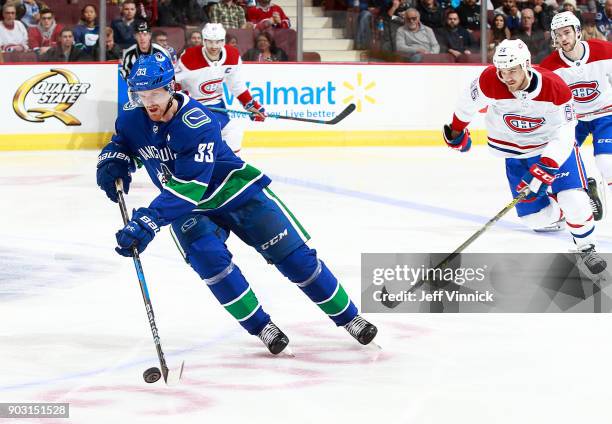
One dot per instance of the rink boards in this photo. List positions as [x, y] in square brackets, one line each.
[73, 106]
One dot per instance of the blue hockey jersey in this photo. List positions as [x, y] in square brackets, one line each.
[187, 160]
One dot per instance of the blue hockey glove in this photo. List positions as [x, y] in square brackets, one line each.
[462, 142]
[138, 232]
[258, 112]
[539, 177]
[113, 165]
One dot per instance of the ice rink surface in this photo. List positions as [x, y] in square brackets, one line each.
[73, 325]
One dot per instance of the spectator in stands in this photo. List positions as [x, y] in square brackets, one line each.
[535, 39]
[432, 15]
[143, 46]
[570, 6]
[195, 39]
[46, 34]
[543, 15]
[265, 50]
[161, 37]
[31, 13]
[87, 32]
[415, 39]
[498, 33]
[363, 24]
[510, 11]
[393, 17]
[113, 51]
[266, 15]
[232, 40]
[469, 15]
[590, 32]
[123, 28]
[455, 39]
[229, 14]
[66, 50]
[13, 34]
[603, 18]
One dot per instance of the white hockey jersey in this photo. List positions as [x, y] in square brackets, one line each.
[588, 77]
[537, 121]
[203, 79]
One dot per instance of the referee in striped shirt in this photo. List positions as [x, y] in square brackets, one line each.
[143, 46]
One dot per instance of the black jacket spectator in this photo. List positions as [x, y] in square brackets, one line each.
[113, 51]
[432, 15]
[124, 27]
[469, 15]
[543, 15]
[65, 50]
[536, 40]
[455, 39]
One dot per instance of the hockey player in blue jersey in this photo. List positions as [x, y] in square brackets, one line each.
[207, 192]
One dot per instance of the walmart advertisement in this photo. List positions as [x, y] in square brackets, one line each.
[74, 105]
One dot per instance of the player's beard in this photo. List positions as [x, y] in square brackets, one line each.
[155, 112]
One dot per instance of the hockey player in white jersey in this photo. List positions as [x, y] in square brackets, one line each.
[201, 73]
[530, 121]
[586, 67]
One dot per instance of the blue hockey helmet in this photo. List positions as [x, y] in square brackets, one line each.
[150, 72]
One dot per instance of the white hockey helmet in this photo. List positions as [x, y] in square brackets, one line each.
[564, 19]
[213, 32]
[510, 53]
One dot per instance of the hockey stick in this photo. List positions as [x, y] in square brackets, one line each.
[597, 112]
[339, 117]
[447, 260]
[170, 377]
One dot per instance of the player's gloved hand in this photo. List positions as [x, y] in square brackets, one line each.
[539, 177]
[113, 165]
[258, 113]
[138, 232]
[462, 142]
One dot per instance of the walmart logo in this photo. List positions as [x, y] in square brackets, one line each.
[359, 93]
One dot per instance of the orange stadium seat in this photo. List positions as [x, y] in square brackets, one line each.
[438, 58]
[469, 58]
[245, 36]
[286, 39]
[19, 57]
[311, 57]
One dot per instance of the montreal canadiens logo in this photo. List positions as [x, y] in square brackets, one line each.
[209, 87]
[585, 91]
[523, 124]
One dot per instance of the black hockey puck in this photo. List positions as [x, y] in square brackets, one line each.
[151, 375]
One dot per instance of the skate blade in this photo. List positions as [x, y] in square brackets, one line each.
[374, 346]
[287, 352]
[174, 375]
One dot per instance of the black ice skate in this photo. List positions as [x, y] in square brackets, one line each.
[595, 263]
[361, 330]
[274, 339]
[597, 197]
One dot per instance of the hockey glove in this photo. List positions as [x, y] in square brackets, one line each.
[462, 142]
[539, 177]
[258, 113]
[138, 232]
[113, 165]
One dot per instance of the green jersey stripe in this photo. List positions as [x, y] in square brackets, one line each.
[298, 226]
[235, 183]
[191, 191]
[336, 303]
[243, 306]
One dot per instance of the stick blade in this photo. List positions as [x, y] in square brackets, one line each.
[346, 112]
[173, 376]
